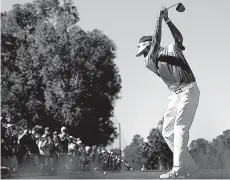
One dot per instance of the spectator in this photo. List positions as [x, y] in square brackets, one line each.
[5, 150]
[56, 150]
[10, 143]
[41, 151]
[46, 146]
[49, 147]
[64, 147]
[72, 148]
[30, 140]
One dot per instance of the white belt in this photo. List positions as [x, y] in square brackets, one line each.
[185, 87]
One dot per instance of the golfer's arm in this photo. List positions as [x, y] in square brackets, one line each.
[175, 33]
[155, 45]
[151, 63]
[156, 41]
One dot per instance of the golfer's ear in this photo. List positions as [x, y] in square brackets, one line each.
[179, 45]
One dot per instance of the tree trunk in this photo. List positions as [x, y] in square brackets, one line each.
[167, 166]
[159, 164]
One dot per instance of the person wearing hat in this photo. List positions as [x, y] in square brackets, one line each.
[64, 159]
[170, 65]
[11, 140]
[64, 139]
[32, 144]
[41, 145]
[46, 148]
[72, 152]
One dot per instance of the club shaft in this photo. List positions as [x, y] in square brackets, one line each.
[172, 6]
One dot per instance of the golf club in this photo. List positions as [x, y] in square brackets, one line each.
[180, 7]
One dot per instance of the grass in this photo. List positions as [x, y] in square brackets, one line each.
[204, 174]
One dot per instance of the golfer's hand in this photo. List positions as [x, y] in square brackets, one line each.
[166, 17]
[161, 13]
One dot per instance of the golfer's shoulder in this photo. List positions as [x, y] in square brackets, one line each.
[175, 45]
[172, 49]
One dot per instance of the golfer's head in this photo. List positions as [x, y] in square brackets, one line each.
[143, 46]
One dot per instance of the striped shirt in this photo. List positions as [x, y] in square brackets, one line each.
[171, 66]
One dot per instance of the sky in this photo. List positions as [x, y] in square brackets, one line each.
[205, 26]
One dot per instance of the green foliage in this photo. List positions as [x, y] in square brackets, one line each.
[211, 152]
[199, 144]
[133, 152]
[54, 73]
[157, 152]
[116, 151]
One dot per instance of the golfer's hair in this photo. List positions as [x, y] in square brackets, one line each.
[145, 38]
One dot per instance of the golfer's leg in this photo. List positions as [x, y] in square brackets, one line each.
[186, 112]
[169, 119]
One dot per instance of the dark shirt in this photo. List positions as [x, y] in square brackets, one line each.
[172, 67]
[10, 144]
[29, 140]
[64, 143]
[6, 150]
[57, 144]
[3, 131]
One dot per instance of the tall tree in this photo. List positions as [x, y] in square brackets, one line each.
[54, 73]
[159, 154]
[116, 151]
[198, 150]
[133, 152]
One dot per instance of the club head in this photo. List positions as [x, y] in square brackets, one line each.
[180, 7]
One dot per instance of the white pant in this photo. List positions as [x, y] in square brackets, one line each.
[177, 121]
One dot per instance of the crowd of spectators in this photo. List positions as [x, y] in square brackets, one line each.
[41, 149]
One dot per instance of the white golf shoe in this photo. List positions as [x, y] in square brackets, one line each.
[174, 175]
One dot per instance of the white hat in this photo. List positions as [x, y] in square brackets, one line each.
[87, 148]
[63, 128]
[141, 47]
[78, 141]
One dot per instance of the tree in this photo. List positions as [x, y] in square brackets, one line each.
[211, 154]
[54, 73]
[160, 125]
[226, 134]
[133, 152]
[116, 151]
[158, 153]
[200, 144]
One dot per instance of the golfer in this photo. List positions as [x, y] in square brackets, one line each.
[171, 66]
